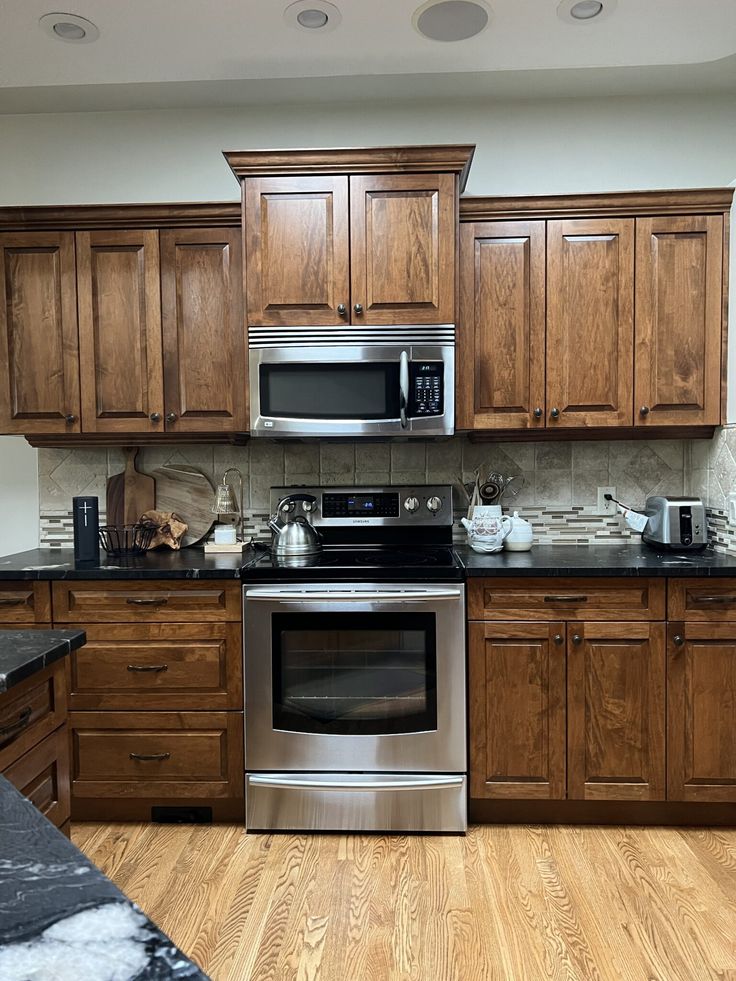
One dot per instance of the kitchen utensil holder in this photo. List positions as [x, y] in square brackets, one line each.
[120, 540]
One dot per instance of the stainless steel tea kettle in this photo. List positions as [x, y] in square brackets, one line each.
[293, 534]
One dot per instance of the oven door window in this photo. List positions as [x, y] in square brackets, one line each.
[368, 390]
[354, 673]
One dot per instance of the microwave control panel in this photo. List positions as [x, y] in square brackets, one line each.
[427, 390]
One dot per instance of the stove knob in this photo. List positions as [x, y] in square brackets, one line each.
[411, 504]
[434, 504]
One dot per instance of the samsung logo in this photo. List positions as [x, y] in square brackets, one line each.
[360, 521]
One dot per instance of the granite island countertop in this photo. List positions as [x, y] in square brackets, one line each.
[188, 563]
[597, 561]
[61, 919]
[24, 652]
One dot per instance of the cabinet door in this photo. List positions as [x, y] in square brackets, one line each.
[701, 712]
[402, 249]
[297, 251]
[590, 322]
[39, 358]
[616, 711]
[120, 331]
[517, 710]
[205, 373]
[679, 269]
[501, 326]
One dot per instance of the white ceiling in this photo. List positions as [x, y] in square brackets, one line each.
[145, 45]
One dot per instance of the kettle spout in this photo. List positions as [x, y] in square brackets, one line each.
[465, 523]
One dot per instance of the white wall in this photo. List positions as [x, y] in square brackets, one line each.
[18, 495]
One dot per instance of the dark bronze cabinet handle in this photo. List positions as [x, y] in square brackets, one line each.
[557, 638]
[577, 639]
[148, 667]
[149, 756]
[644, 410]
[171, 417]
[12, 601]
[358, 308]
[146, 601]
[555, 413]
[13, 728]
[342, 309]
[723, 598]
[537, 413]
[71, 418]
[155, 417]
[678, 640]
[566, 599]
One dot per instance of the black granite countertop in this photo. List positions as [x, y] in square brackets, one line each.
[189, 563]
[61, 919]
[597, 560]
[24, 652]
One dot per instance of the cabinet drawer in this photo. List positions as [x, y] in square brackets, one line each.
[25, 602]
[566, 599]
[146, 602]
[30, 711]
[157, 754]
[159, 666]
[702, 599]
[42, 775]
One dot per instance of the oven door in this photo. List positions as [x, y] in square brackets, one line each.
[350, 384]
[355, 677]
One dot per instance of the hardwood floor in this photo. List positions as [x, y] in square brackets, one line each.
[507, 902]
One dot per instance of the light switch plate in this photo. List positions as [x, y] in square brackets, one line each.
[732, 509]
[604, 506]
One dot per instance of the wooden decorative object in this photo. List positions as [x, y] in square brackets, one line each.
[170, 529]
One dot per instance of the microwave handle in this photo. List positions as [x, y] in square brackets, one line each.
[403, 387]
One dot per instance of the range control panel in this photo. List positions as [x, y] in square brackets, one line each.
[427, 396]
[417, 506]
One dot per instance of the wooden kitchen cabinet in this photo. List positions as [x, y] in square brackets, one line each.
[679, 272]
[351, 237]
[501, 335]
[701, 712]
[120, 354]
[616, 711]
[24, 604]
[39, 359]
[516, 674]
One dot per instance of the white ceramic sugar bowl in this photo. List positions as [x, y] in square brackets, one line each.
[520, 538]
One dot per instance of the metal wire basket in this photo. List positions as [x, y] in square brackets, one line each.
[126, 539]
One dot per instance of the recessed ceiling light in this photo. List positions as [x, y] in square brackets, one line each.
[451, 20]
[69, 27]
[313, 15]
[584, 11]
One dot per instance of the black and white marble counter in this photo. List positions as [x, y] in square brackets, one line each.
[61, 919]
[188, 563]
[24, 652]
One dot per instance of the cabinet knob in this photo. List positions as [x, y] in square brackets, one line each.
[577, 639]
[342, 309]
[557, 638]
[155, 417]
[171, 417]
[555, 413]
[358, 308]
[644, 410]
[537, 413]
[678, 640]
[70, 419]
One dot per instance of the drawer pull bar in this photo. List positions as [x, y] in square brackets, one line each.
[715, 599]
[565, 599]
[136, 601]
[148, 667]
[15, 727]
[150, 756]
[12, 601]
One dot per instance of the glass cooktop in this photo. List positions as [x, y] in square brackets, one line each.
[349, 562]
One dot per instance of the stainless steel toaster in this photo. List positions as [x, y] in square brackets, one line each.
[675, 523]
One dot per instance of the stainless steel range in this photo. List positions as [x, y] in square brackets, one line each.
[355, 669]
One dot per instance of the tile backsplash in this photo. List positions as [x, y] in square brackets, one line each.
[558, 494]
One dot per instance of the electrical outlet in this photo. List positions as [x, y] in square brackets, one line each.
[732, 509]
[604, 506]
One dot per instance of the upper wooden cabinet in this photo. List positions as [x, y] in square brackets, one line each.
[679, 275]
[39, 363]
[355, 237]
[629, 329]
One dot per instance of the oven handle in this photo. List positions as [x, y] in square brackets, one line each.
[410, 783]
[403, 387]
[300, 596]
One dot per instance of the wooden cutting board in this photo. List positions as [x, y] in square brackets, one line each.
[129, 493]
[189, 493]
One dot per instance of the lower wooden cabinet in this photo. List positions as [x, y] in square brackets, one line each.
[701, 712]
[616, 711]
[42, 775]
[31, 711]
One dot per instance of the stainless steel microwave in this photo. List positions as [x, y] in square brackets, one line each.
[373, 381]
